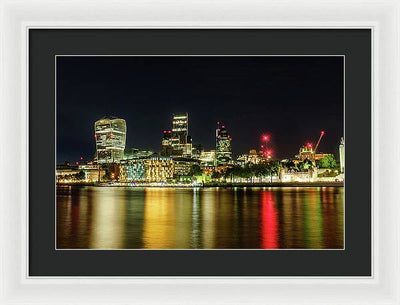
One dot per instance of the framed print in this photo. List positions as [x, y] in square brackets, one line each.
[207, 190]
[255, 158]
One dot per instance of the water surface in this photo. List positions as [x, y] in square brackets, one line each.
[203, 218]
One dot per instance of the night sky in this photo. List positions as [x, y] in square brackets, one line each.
[290, 98]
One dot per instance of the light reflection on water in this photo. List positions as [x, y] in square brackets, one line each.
[203, 218]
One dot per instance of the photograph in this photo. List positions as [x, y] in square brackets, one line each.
[199, 152]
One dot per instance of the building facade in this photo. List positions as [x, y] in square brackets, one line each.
[310, 175]
[181, 142]
[110, 135]
[93, 172]
[183, 166]
[132, 170]
[166, 144]
[159, 169]
[71, 173]
[207, 158]
[154, 169]
[223, 146]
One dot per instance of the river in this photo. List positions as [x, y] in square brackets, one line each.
[91, 217]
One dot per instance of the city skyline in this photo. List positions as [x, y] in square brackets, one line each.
[290, 123]
[200, 153]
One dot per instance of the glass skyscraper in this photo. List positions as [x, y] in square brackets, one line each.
[223, 146]
[181, 142]
[110, 135]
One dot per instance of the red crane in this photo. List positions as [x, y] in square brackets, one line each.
[319, 140]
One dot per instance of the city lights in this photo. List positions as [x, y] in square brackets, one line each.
[174, 153]
[265, 137]
[180, 161]
[223, 146]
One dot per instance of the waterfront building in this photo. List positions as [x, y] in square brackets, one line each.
[310, 175]
[223, 146]
[183, 166]
[166, 144]
[93, 173]
[112, 171]
[181, 142]
[66, 172]
[341, 155]
[153, 169]
[159, 169]
[208, 158]
[110, 135]
[132, 170]
[70, 173]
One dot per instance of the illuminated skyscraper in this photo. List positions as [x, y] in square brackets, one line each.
[110, 135]
[223, 145]
[341, 154]
[181, 142]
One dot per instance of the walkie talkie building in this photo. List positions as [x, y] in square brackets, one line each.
[110, 135]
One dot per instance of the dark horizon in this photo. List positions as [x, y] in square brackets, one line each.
[290, 98]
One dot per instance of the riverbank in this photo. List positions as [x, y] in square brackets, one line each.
[214, 184]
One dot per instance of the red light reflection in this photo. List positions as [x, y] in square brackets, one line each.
[269, 221]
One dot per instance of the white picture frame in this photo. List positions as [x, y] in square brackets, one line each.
[382, 17]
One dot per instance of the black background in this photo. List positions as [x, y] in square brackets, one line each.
[291, 98]
[355, 260]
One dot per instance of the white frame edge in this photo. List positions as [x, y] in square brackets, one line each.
[381, 16]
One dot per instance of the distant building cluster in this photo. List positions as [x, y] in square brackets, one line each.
[179, 160]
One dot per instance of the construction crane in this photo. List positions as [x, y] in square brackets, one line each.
[316, 146]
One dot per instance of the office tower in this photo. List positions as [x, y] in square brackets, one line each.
[166, 144]
[110, 135]
[181, 142]
[223, 146]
